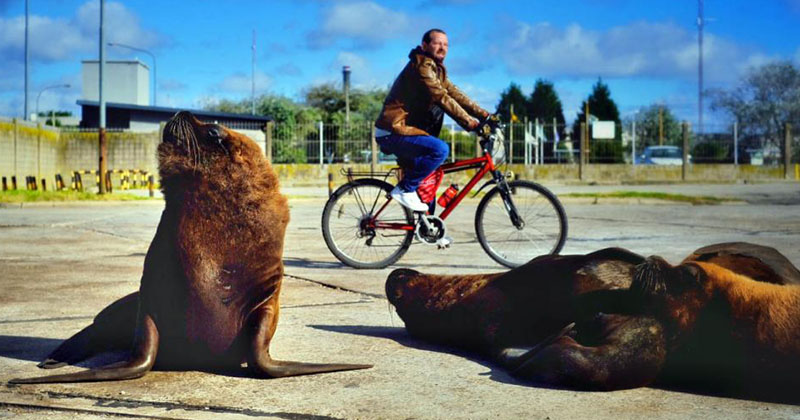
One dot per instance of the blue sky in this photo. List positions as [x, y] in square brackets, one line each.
[646, 51]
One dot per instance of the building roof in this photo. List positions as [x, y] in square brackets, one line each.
[170, 111]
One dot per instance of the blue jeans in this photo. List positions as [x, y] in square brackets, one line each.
[418, 155]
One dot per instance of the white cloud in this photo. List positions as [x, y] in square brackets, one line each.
[640, 49]
[365, 23]
[239, 83]
[57, 39]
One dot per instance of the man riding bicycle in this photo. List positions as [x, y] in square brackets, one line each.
[413, 112]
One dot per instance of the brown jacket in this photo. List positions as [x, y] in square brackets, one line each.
[419, 95]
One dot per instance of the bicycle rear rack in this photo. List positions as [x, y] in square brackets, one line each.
[351, 174]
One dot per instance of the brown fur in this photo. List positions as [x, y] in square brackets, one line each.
[509, 316]
[725, 329]
[209, 294]
[703, 324]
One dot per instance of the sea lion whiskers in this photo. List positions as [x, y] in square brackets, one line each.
[647, 278]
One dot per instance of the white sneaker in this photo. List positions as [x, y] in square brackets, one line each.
[408, 199]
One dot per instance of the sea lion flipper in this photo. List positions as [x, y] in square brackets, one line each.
[516, 358]
[142, 360]
[259, 361]
[113, 329]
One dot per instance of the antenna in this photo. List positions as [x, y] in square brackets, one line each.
[700, 24]
[253, 78]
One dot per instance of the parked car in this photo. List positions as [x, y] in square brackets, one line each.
[661, 155]
[366, 157]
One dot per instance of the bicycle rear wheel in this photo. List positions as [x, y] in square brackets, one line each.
[348, 225]
[543, 229]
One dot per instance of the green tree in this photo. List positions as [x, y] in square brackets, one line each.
[603, 108]
[512, 96]
[656, 125]
[545, 105]
[329, 99]
[765, 100]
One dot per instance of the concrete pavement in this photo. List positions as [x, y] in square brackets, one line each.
[62, 264]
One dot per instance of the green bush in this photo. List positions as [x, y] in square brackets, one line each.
[606, 151]
[708, 152]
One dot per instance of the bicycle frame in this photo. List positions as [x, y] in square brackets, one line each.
[484, 164]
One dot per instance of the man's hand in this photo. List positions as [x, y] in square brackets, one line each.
[486, 125]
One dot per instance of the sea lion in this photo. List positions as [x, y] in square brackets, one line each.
[613, 339]
[725, 331]
[759, 262]
[209, 293]
[511, 318]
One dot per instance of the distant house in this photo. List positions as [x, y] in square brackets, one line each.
[127, 98]
[148, 118]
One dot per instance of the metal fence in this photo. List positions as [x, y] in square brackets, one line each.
[535, 143]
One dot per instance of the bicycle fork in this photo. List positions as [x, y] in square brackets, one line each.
[508, 202]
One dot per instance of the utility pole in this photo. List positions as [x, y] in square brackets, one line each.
[27, 58]
[346, 86]
[700, 24]
[253, 77]
[103, 145]
[660, 125]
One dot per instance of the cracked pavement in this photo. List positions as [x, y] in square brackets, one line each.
[62, 263]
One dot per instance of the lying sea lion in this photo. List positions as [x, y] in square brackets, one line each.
[615, 340]
[725, 331]
[759, 262]
[209, 294]
[511, 318]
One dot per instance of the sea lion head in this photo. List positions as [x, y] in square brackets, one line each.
[675, 294]
[190, 147]
[407, 288]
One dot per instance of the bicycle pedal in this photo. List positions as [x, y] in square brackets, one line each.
[444, 242]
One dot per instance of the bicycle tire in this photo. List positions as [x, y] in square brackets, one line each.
[342, 227]
[544, 232]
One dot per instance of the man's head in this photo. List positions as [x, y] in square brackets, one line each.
[434, 42]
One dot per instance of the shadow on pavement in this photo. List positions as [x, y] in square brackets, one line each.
[401, 336]
[33, 349]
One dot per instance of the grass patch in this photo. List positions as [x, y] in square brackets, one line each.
[692, 199]
[25, 196]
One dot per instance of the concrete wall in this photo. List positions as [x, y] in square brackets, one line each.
[308, 174]
[28, 149]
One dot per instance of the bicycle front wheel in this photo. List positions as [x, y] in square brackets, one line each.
[349, 225]
[542, 228]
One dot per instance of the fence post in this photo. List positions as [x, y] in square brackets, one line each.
[374, 147]
[321, 137]
[735, 143]
[685, 165]
[787, 150]
[268, 146]
[16, 129]
[582, 157]
[38, 150]
[633, 142]
[511, 142]
[452, 142]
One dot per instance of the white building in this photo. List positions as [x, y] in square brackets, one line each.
[127, 82]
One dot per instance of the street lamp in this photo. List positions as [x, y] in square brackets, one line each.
[155, 80]
[52, 111]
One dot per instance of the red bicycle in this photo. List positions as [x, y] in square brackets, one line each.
[515, 221]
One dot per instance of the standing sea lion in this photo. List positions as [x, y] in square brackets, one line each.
[212, 276]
